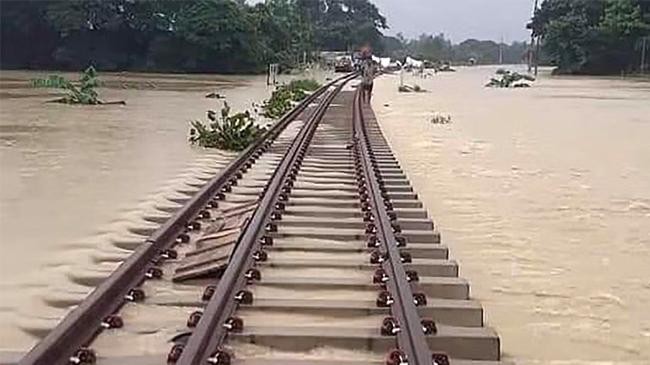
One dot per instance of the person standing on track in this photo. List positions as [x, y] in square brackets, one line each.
[368, 72]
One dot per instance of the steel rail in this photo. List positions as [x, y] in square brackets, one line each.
[205, 343]
[79, 327]
[410, 334]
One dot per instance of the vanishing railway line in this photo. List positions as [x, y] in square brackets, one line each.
[311, 239]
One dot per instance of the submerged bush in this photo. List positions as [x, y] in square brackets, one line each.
[229, 132]
[83, 94]
[237, 131]
[441, 118]
[304, 84]
[279, 103]
[510, 79]
[52, 81]
[285, 96]
[411, 89]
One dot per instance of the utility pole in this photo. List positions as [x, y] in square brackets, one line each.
[501, 51]
[531, 50]
[643, 54]
[537, 55]
[530, 54]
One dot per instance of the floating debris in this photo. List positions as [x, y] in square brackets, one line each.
[441, 118]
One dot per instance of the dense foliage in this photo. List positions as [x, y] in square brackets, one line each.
[228, 131]
[84, 93]
[593, 36]
[344, 24]
[180, 35]
[284, 96]
[579, 36]
[236, 131]
[438, 48]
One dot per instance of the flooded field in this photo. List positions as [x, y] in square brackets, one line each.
[543, 195]
[74, 178]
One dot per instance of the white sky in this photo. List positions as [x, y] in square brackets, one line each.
[459, 19]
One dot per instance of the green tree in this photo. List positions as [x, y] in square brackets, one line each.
[434, 48]
[438, 48]
[23, 23]
[222, 34]
[616, 37]
[340, 25]
[96, 31]
[285, 34]
[395, 47]
[592, 36]
[175, 35]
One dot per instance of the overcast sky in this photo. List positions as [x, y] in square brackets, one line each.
[459, 19]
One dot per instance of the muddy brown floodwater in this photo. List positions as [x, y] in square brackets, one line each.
[543, 195]
[74, 179]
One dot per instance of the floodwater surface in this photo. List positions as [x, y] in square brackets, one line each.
[543, 195]
[74, 179]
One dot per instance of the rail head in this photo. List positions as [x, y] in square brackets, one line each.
[206, 341]
[79, 327]
[408, 328]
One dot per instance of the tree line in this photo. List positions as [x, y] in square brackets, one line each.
[208, 35]
[438, 48]
[180, 36]
[593, 36]
[233, 36]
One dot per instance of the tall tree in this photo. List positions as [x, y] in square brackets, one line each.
[92, 31]
[23, 23]
[592, 36]
[222, 34]
[341, 25]
[175, 35]
[438, 48]
[431, 47]
[286, 35]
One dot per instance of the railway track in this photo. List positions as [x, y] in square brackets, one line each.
[309, 248]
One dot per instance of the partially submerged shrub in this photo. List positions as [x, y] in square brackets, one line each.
[85, 93]
[510, 79]
[411, 89]
[237, 131]
[214, 95]
[279, 103]
[52, 81]
[446, 67]
[304, 84]
[441, 118]
[229, 132]
[285, 96]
